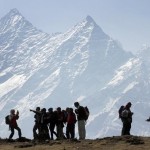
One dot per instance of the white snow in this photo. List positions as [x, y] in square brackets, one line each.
[16, 19]
[4, 72]
[122, 72]
[129, 87]
[110, 41]
[81, 98]
[14, 82]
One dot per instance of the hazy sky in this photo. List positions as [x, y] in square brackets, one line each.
[127, 21]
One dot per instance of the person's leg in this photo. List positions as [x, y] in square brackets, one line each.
[58, 131]
[125, 128]
[128, 128]
[52, 132]
[19, 131]
[12, 132]
[35, 135]
[72, 131]
[47, 132]
[68, 131]
[81, 129]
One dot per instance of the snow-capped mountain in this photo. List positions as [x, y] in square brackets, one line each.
[83, 64]
[131, 82]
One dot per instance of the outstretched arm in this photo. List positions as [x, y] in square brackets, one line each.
[37, 112]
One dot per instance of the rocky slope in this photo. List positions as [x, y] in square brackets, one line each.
[109, 143]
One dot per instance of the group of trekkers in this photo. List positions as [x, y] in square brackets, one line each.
[47, 120]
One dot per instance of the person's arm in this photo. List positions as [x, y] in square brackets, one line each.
[36, 112]
[17, 115]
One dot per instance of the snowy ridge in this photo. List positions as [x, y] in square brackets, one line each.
[130, 83]
[123, 71]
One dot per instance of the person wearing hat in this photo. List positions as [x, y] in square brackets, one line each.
[127, 119]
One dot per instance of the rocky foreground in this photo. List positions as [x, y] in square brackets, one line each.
[108, 143]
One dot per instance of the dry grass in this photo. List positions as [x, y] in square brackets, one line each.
[112, 143]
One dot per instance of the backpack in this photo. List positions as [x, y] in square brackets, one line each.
[87, 112]
[72, 118]
[120, 111]
[7, 120]
[125, 113]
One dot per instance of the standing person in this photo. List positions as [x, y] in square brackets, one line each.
[71, 120]
[37, 125]
[13, 117]
[44, 125]
[81, 115]
[127, 119]
[52, 117]
[60, 125]
[66, 116]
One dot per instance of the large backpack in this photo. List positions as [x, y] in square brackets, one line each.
[120, 111]
[7, 120]
[87, 112]
[125, 113]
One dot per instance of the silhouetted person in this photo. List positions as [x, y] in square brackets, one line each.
[71, 120]
[67, 131]
[13, 123]
[80, 111]
[52, 117]
[127, 119]
[44, 125]
[60, 124]
[37, 125]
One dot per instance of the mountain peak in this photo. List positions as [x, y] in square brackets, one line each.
[14, 12]
[89, 19]
[13, 19]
